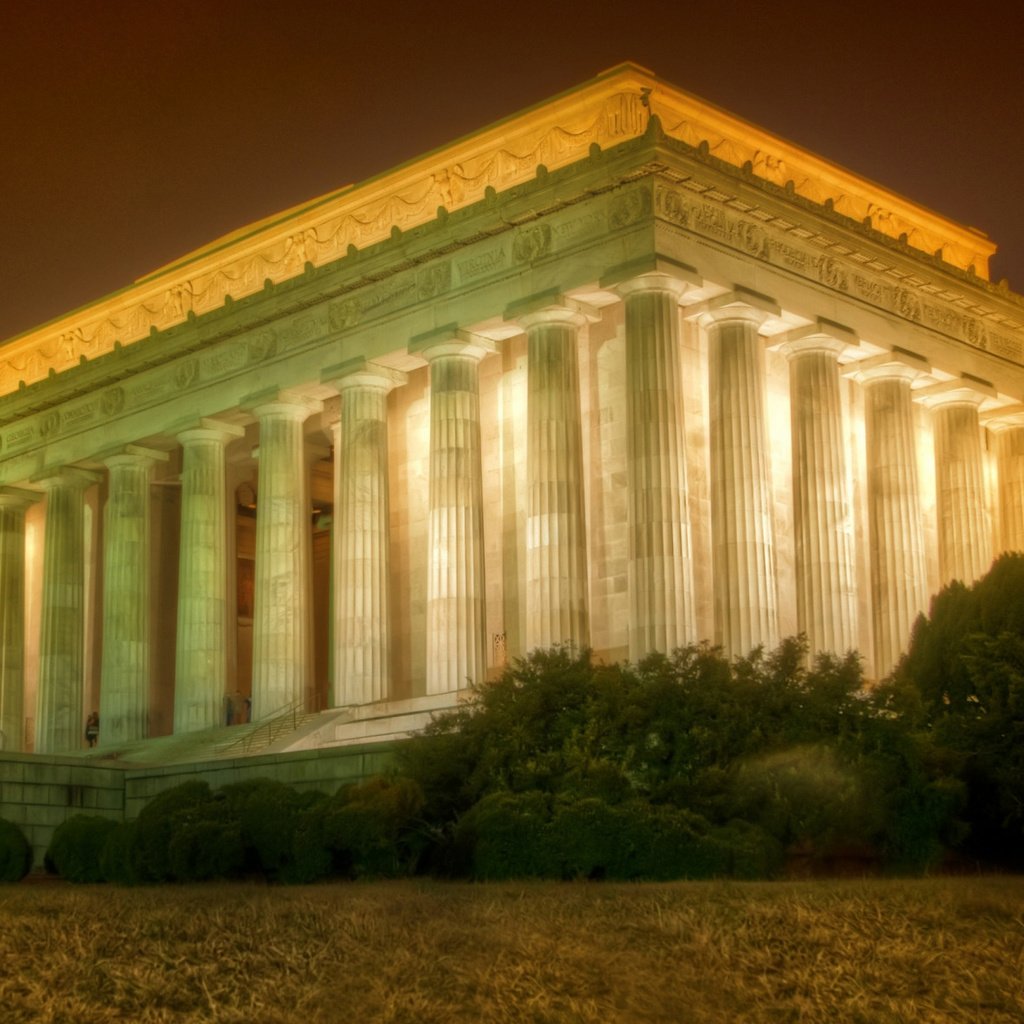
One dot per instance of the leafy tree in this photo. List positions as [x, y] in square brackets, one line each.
[960, 692]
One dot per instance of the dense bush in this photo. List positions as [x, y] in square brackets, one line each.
[265, 814]
[681, 766]
[504, 836]
[371, 828]
[15, 853]
[204, 848]
[119, 859]
[77, 846]
[158, 821]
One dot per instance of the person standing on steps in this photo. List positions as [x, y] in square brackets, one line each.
[92, 728]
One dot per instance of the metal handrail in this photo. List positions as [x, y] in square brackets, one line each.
[267, 724]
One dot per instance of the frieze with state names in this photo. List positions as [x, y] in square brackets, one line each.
[773, 246]
[154, 386]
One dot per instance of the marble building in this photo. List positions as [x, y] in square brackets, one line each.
[622, 370]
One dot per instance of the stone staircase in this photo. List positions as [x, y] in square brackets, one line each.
[218, 743]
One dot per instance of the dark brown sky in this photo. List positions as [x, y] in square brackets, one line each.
[133, 132]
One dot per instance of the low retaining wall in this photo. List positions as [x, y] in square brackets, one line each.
[40, 792]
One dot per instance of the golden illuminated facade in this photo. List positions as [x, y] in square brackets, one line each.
[621, 370]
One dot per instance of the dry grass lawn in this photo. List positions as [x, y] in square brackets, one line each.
[871, 952]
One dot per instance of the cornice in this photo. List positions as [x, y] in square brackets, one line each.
[712, 200]
[615, 107]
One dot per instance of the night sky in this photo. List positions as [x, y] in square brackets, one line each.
[132, 133]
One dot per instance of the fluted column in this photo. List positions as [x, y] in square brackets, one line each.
[201, 650]
[362, 538]
[661, 598]
[59, 719]
[822, 515]
[125, 670]
[1007, 427]
[965, 544]
[456, 652]
[13, 503]
[556, 538]
[282, 645]
[898, 580]
[741, 512]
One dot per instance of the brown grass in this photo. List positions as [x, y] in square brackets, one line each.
[871, 952]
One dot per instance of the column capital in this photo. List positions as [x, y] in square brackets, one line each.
[550, 307]
[66, 476]
[1006, 417]
[895, 365]
[362, 373]
[651, 273]
[961, 391]
[18, 497]
[450, 340]
[821, 336]
[210, 430]
[132, 455]
[740, 304]
[285, 403]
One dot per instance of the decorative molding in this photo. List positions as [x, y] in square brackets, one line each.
[619, 105]
[778, 246]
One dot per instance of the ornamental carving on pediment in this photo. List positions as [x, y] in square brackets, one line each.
[753, 238]
[629, 208]
[342, 315]
[434, 280]
[177, 303]
[532, 243]
[186, 373]
[908, 305]
[112, 401]
[49, 425]
[832, 274]
[261, 346]
[672, 206]
[300, 249]
[974, 332]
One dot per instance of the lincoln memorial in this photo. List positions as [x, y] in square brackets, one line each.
[622, 370]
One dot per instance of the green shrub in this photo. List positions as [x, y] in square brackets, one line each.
[203, 849]
[119, 859]
[15, 853]
[160, 818]
[371, 827]
[589, 838]
[744, 850]
[507, 835]
[76, 848]
[267, 815]
[311, 856]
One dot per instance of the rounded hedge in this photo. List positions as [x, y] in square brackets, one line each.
[77, 846]
[15, 853]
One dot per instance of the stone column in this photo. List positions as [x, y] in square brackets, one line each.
[822, 514]
[201, 654]
[965, 544]
[1007, 427]
[661, 597]
[556, 532]
[898, 580]
[125, 666]
[282, 644]
[60, 725]
[362, 535]
[456, 652]
[13, 503]
[741, 511]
